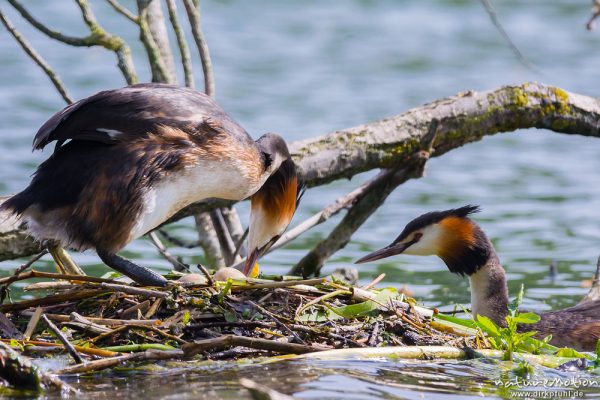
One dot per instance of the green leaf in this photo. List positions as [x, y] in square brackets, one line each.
[526, 318]
[186, 317]
[366, 308]
[469, 323]
[488, 326]
[514, 306]
[319, 316]
[598, 351]
[568, 352]
[230, 316]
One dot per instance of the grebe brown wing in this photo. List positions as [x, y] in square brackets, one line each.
[133, 111]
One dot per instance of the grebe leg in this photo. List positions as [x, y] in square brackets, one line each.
[139, 274]
[64, 262]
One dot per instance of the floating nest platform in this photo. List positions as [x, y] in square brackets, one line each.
[105, 322]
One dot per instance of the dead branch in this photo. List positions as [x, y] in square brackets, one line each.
[391, 142]
[160, 72]
[59, 335]
[193, 13]
[97, 37]
[37, 58]
[595, 14]
[123, 11]
[184, 51]
[489, 8]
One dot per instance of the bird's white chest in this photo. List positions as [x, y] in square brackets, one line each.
[176, 191]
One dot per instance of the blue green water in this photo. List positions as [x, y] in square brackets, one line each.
[307, 68]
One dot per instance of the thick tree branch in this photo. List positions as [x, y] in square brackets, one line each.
[465, 118]
[37, 58]
[97, 37]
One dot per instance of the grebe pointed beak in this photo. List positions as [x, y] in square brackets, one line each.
[387, 251]
[250, 261]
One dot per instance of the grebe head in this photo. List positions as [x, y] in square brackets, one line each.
[449, 234]
[274, 204]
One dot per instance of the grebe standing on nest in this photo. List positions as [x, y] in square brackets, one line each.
[466, 250]
[135, 156]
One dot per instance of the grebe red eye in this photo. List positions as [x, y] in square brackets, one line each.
[418, 236]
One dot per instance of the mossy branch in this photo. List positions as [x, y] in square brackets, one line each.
[392, 142]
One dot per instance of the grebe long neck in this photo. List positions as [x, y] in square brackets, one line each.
[489, 292]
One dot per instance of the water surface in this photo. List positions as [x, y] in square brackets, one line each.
[307, 68]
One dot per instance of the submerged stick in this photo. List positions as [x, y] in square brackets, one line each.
[114, 361]
[262, 392]
[221, 342]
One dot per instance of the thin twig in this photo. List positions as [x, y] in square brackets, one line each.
[29, 263]
[374, 282]
[156, 330]
[63, 340]
[272, 285]
[101, 321]
[71, 295]
[224, 236]
[123, 11]
[38, 59]
[83, 350]
[193, 12]
[595, 14]
[209, 279]
[133, 290]
[178, 242]
[39, 274]
[489, 8]
[178, 265]
[277, 321]
[184, 51]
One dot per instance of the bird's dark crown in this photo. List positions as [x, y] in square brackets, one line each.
[463, 246]
[272, 145]
[435, 217]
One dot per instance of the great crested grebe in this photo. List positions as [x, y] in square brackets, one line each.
[135, 156]
[466, 250]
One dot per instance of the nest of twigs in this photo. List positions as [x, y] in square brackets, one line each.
[98, 319]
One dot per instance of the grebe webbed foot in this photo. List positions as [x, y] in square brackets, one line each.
[139, 274]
